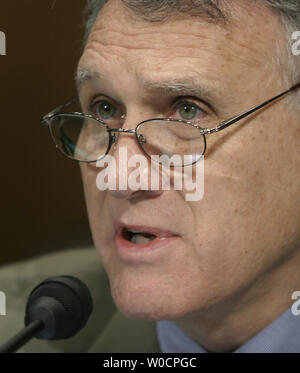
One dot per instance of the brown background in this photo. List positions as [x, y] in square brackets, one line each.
[42, 202]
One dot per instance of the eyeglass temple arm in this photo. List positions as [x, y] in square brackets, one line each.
[234, 119]
[48, 116]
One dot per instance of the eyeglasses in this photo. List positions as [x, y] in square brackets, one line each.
[86, 138]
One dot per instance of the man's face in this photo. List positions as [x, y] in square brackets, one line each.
[214, 249]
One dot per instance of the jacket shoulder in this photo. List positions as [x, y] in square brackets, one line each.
[101, 334]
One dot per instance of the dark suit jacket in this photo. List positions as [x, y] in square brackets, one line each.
[107, 329]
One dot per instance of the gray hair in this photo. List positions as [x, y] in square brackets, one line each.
[159, 10]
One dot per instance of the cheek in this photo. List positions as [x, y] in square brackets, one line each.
[238, 229]
[228, 218]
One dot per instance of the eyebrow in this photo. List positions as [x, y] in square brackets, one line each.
[183, 85]
[84, 75]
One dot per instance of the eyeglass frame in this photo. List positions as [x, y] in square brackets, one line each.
[45, 120]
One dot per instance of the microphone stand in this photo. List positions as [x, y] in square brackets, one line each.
[22, 337]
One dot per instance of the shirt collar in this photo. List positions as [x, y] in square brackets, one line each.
[281, 336]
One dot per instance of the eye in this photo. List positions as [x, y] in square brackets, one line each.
[104, 109]
[189, 111]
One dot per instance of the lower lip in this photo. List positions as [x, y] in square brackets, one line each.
[132, 252]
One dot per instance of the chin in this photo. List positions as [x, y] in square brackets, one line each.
[139, 307]
[150, 300]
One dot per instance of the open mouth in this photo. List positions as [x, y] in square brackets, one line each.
[137, 237]
[142, 243]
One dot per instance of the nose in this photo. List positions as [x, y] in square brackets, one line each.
[132, 167]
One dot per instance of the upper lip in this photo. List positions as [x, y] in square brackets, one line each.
[120, 226]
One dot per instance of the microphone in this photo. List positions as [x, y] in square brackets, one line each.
[57, 308]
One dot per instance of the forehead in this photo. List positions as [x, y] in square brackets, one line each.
[121, 38]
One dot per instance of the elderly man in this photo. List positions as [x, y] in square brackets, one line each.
[216, 274]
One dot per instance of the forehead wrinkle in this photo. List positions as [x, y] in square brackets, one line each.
[164, 45]
[230, 55]
[196, 40]
[167, 37]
